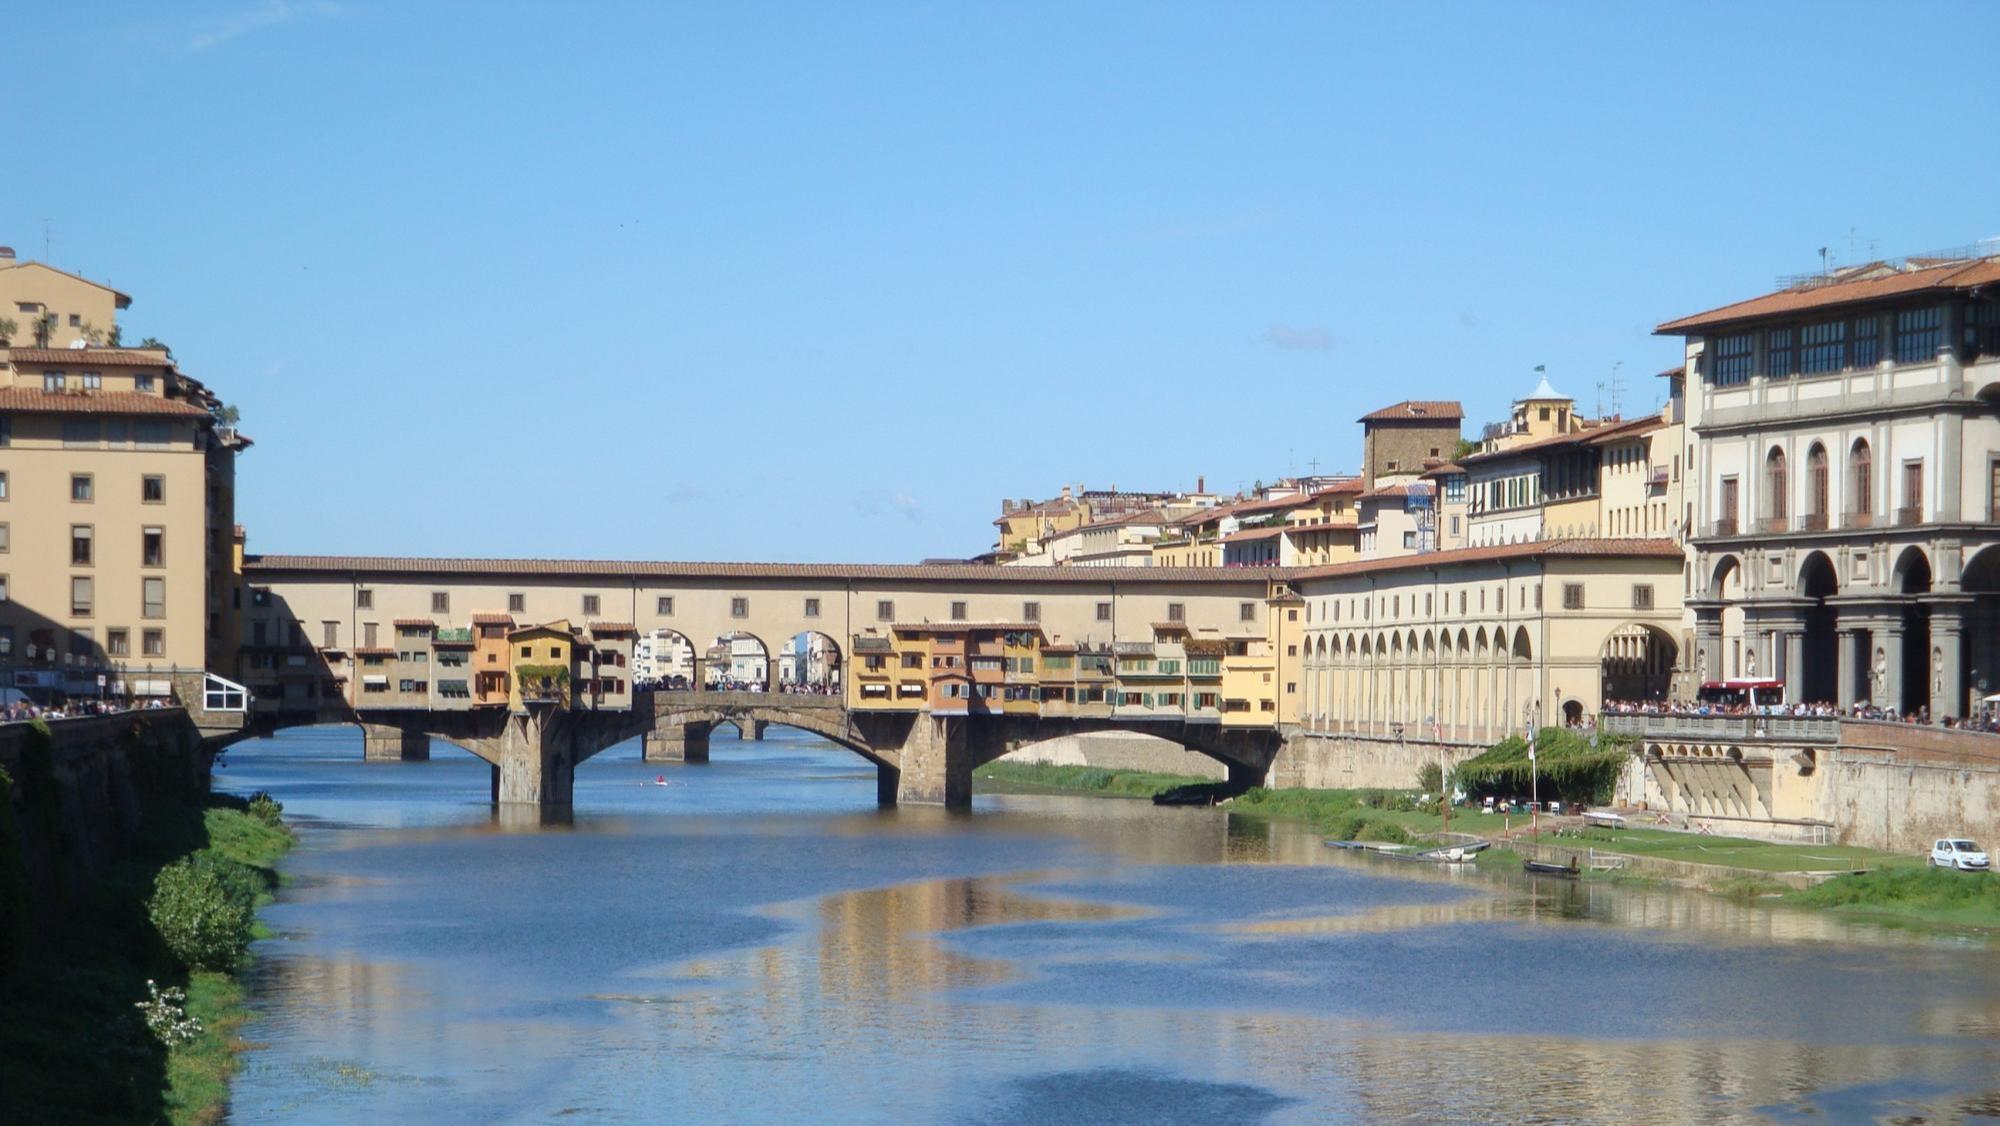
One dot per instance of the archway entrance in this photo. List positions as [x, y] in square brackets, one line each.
[1637, 664]
[1819, 660]
[664, 659]
[810, 664]
[1981, 580]
[736, 662]
[1913, 580]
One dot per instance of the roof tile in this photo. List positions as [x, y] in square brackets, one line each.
[1958, 275]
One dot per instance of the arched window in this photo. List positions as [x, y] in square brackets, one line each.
[1774, 488]
[1860, 483]
[1816, 494]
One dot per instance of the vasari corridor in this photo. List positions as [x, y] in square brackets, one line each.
[1019, 565]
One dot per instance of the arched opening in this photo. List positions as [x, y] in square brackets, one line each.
[1572, 713]
[1636, 664]
[1733, 658]
[1819, 659]
[1913, 581]
[810, 665]
[1816, 488]
[663, 660]
[1860, 485]
[736, 662]
[1981, 580]
[1775, 495]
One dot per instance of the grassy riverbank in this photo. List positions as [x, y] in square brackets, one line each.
[74, 1046]
[1032, 777]
[1909, 894]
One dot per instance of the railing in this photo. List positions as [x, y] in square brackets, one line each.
[1729, 727]
[1858, 520]
[1813, 522]
[1771, 525]
[1907, 516]
[1723, 527]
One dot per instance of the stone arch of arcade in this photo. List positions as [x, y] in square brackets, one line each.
[1636, 662]
[1912, 582]
[1817, 678]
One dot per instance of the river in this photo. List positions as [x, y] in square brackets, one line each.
[755, 941]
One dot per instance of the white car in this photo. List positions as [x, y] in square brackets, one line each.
[1960, 854]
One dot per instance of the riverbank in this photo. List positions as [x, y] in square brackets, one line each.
[174, 912]
[1003, 776]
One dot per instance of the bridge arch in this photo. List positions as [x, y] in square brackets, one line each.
[812, 664]
[736, 661]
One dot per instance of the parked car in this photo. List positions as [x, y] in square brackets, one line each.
[1961, 854]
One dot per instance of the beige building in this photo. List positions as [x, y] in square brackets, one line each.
[43, 307]
[1400, 440]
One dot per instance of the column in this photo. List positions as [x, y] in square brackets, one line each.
[1948, 672]
[679, 742]
[1889, 662]
[1853, 659]
[936, 763]
[393, 744]
[1708, 655]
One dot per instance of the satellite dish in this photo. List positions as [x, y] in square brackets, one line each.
[79, 343]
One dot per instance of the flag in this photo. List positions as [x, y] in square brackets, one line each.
[1541, 367]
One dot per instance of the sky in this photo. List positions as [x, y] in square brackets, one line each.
[825, 282]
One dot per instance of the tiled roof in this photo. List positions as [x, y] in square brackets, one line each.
[1571, 548]
[1170, 627]
[33, 399]
[1638, 427]
[477, 619]
[346, 566]
[608, 628]
[1606, 432]
[424, 623]
[965, 627]
[1870, 283]
[1255, 534]
[1424, 410]
[374, 651]
[1444, 469]
[1344, 488]
[89, 357]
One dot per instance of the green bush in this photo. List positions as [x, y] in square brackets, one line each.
[266, 808]
[1430, 778]
[1570, 766]
[1358, 826]
[202, 913]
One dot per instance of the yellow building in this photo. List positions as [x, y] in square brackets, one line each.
[544, 659]
[43, 307]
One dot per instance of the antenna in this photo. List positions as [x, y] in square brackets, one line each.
[46, 238]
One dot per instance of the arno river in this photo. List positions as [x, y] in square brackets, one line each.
[755, 941]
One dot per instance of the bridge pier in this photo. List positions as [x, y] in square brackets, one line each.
[393, 744]
[680, 742]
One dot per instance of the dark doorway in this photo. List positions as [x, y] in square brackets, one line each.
[1819, 676]
[1913, 579]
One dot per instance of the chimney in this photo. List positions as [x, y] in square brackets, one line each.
[1066, 492]
[6, 256]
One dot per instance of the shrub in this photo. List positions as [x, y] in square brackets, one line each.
[1358, 826]
[265, 808]
[1430, 778]
[167, 1016]
[202, 913]
[1571, 767]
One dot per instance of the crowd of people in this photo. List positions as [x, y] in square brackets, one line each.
[731, 684]
[1989, 721]
[22, 711]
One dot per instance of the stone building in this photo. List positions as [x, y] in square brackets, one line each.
[1399, 440]
[1846, 460]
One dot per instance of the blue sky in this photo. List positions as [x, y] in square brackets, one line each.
[826, 281]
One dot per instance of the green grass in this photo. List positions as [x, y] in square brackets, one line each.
[1732, 852]
[72, 1047]
[1909, 893]
[1083, 779]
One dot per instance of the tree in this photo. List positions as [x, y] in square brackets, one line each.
[156, 342]
[8, 327]
[45, 327]
[228, 415]
[92, 333]
[1466, 448]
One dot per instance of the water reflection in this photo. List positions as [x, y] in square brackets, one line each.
[757, 942]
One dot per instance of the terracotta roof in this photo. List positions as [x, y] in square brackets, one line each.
[1606, 548]
[1400, 490]
[1170, 627]
[608, 628]
[374, 651]
[477, 619]
[1874, 282]
[872, 645]
[1350, 486]
[36, 400]
[1445, 468]
[1427, 410]
[90, 357]
[1593, 434]
[1633, 429]
[426, 623]
[1059, 647]
[347, 566]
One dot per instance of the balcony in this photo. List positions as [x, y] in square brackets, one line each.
[1858, 520]
[1723, 528]
[1773, 525]
[1909, 516]
[1813, 522]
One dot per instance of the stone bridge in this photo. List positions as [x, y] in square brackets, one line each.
[921, 757]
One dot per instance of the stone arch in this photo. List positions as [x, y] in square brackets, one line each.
[830, 723]
[812, 664]
[667, 659]
[1521, 649]
[1636, 662]
[1912, 576]
[737, 660]
[1726, 567]
[1818, 675]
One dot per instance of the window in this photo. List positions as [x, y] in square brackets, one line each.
[76, 320]
[82, 545]
[1816, 487]
[1104, 611]
[153, 489]
[517, 603]
[151, 434]
[93, 381]
[1919, 332]
[153, 642]
[1774, 485]
[6, 538]
[153, 598]
[1734, 357]
[1177, 611]
[1031, 611]
[143, 383]
[440, 602]
[3, 484]
[812, 607]
[1860, 478]
[1246, 611]
[1992, 501]
[329, 635]
[1642, 596]
[363, 600]
[1913, 491]
[958, 611]
[368, 635]
[527, 652]
[590, 605]
[664, 605]
[1825, 347]
[82, 596]
[1780, 361]
[153, 547]
[1409, 541]
[885, 611]
[81, 434]
[1572, 596]
[52, 381]
[82, 489]
[118, 642]
[739, 607]
[3, 588]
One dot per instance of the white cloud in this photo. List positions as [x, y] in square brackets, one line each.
[876, 502]
[271, 13]
[1310, 339]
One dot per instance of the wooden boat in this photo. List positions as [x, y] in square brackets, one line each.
[1544, 868]
[1457, 854]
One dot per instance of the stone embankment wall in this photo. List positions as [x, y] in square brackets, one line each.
[1360, 762]
[80, 796]
[1121, 750]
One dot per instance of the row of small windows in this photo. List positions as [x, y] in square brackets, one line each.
[885, 609]
[1841, 345]
[83, 645]
[83, 488]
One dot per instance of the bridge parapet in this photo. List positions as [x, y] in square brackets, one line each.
[1786, 729]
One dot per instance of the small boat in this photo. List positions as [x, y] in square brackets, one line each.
[1544, 868]
[1457, 854]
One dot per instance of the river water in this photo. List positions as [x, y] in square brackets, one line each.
[755, 941]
